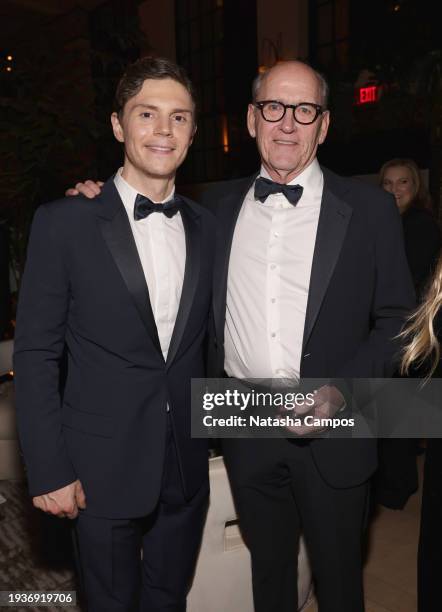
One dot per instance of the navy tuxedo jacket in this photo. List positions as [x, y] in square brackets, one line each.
[84, 293]
[360, 292]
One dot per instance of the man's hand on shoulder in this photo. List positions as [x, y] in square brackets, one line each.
[90, 189]
[64, 502]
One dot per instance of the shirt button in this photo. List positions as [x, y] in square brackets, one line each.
[276, 235]
[273, 300]
[273, 335]
[273, 266]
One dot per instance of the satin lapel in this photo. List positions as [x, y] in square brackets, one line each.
[227, 213]
[192, 229]
[332, 226]
[117, 234]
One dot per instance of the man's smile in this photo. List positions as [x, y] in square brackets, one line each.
[162, 149]
[285, 142]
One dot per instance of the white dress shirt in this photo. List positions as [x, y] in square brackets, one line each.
[268, 281]
[161, 246]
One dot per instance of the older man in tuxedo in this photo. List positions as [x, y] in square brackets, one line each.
[311, 281]
[122, 286]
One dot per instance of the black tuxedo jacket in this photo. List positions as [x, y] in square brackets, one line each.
[84, 292]
[422, 238]
[360, 291]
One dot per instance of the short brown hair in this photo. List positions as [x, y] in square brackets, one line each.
[149, 68]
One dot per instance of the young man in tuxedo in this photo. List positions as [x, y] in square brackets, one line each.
[311, 281]
[122, 286]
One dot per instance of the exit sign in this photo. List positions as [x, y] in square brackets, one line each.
[367, 95]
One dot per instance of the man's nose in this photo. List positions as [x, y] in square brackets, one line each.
[288, 123]
[163, 126]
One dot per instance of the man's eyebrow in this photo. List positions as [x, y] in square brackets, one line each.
[153, 107]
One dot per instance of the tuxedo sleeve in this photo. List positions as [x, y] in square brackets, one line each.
[39, 345]
[393, 299]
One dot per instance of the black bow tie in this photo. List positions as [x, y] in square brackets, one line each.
[264, 187]
[144, 207]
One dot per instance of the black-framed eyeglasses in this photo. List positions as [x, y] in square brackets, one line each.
[304, 112]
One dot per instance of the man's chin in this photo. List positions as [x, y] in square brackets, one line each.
[285, 168]
[284, 163]
[159, 172]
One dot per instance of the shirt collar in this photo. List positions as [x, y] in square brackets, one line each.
[311, 179]
[128, 193]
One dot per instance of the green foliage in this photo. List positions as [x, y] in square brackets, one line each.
[45, 125]
[54, 119]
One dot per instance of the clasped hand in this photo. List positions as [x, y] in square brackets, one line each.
[328, 400]
[64, 502]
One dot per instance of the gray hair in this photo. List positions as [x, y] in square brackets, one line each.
[323, 85]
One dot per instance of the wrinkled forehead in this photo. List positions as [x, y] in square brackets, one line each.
[290, 84]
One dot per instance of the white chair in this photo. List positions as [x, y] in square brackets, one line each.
[10, 462]
[223, 577]
[6, 350]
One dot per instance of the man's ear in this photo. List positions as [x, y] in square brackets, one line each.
[195, 127]
[117, 127]
[251, 120]
[325, 122]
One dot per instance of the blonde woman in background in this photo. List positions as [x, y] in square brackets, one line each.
[423, 337]
[401, 177]
[396, 478]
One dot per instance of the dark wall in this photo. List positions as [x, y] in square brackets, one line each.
[4, 280]
[395, 45]
[241, 65]
[217, 44]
